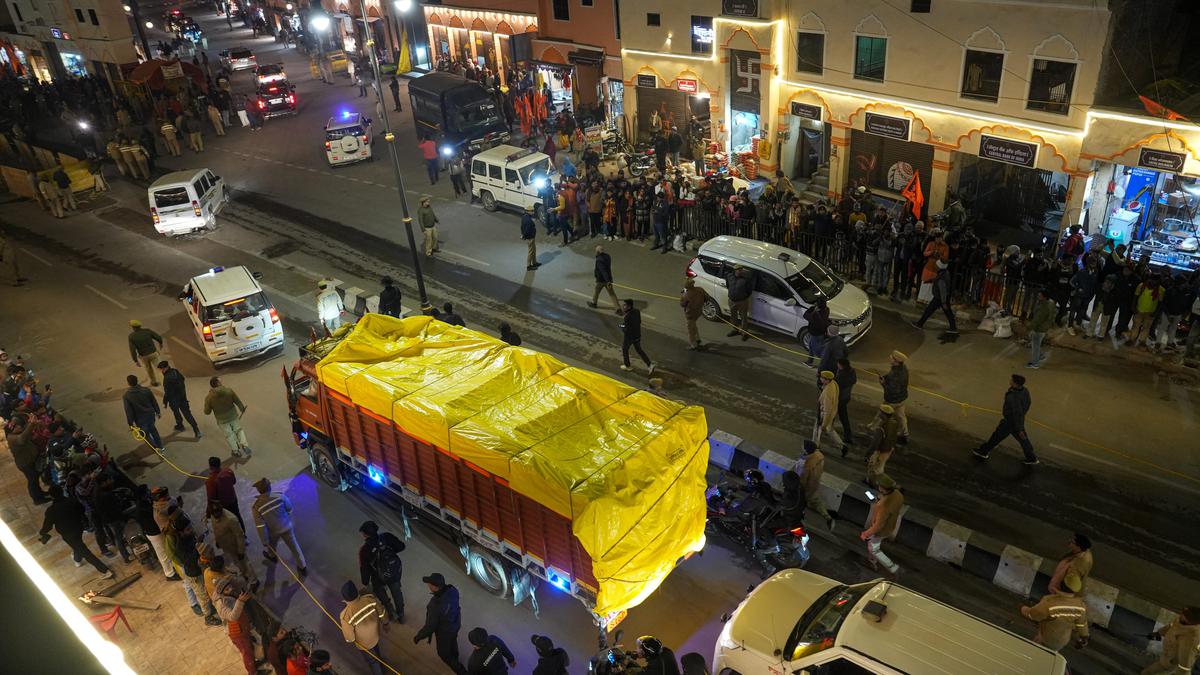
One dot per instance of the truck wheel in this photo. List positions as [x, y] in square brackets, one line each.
[489, 202]
[327, 465]
[711, 310]
[488, 569]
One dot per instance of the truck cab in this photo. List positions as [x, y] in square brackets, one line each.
[458, 113]
[510, 176]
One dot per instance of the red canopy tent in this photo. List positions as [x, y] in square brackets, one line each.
[150, 73]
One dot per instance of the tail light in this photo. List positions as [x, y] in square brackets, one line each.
[327, 145]
[154, 215]
[262, 105]
[797, 531]
[292, 99]
[274, 316]
[689, 272]
[207, 332]
[196, 207]
[367, 140]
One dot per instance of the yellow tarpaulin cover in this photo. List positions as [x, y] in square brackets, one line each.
[624, 465]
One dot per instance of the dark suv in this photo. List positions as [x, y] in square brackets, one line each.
[276, 98]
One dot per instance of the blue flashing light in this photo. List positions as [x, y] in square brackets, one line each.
[558, 582]
[346, 114]
[214, 270]
[375, 474]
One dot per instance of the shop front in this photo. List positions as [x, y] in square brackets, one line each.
[458, 35]
[576, 78]
[682, 103]
[884, 158]
[804, 137]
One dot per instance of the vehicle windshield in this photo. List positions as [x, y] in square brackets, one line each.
[235, 310]
[335, 134]
[168, 197]
[818, 627]
[473, 109]
[528, 172]
[240, 54]
[815, 281]
[270, 69]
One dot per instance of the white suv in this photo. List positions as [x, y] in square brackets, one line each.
[233, 318]
[786, 283]
[348, 139]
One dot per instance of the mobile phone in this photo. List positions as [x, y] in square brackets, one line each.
[870, 495]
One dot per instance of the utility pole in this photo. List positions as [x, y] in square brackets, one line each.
[133, 9]
[391, 141]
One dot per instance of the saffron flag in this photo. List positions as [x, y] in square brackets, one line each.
[1158, 110]
[912, 192]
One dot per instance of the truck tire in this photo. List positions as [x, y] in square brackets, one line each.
[488, 569]
[327, 465]
[489, 202]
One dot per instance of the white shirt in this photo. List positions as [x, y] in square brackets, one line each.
[329, 304]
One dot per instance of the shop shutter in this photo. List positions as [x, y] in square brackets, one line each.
[880, 161]
[672, 101]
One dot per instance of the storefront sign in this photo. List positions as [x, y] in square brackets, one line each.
[687, 86]
[888, 126]
[1008, 151]
[1161, 160]
[594, 136]
[743, 8]
[808, 112]
[171, 71]
[56, 33]
[650, 81]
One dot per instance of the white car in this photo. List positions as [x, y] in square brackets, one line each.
[510, 176]
[348, 139]
[186, 201]
[267, 73]
[800, 622]
[786, 283]
[233, 318]
[239, 58]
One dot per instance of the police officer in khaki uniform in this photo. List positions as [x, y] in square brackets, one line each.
[53, 196]
[1060, 616]
[128, 152]
[171, 137]
[360, 622]
[141, 158]
[114, 151]
[1180, 644]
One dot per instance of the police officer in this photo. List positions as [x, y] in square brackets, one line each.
[129, 152]
[659, 659]
[443, 620]
[490, 656]
[529, 234]
[175, 397]
[1060, 616]
[114, 152]
[273, 520]
[360, 624]
[1181, 644]
[381, 568]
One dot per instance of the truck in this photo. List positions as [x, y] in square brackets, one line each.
[456, 112]
[539, 471]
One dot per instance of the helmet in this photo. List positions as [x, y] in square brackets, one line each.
[649, 646]
[753, 476]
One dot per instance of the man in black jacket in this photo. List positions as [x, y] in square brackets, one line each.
[551, 660]
[490, 656]
[141, 410]
[389, 298]
[380, 566]
[740, 285]
[443, 620]
[631, 328]
[1016, 405]
[66, 516]
[604, 279]
[143, 514]
[529, 235]
[175, 397]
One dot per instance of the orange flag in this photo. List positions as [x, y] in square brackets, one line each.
[1158, 110]
[912, 192]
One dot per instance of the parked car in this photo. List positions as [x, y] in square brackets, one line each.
[233, 318]
[510, 176]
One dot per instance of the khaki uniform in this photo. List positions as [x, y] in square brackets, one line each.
[827, 404]
[883, 520]
[883, 441]
[1059, 616]
[52, 195]
[1180, 648]
[692, 303]
[128, 152]
[141, 159]
[1079, 564]
[171, 137]
[114, 151]
[811, 467]
[360, 620]
[214, 116]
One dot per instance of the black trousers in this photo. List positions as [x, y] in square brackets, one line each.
[32, 479]
[1004, 430]
[80, 551]
[843, 412]
[447, 651]
[391, 595]
[932, 307]
[637, 345]
[183, 410]
[460, 186]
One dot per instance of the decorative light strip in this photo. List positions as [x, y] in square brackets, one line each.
[669, 55]
[1137, 119]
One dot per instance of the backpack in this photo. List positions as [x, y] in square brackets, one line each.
[386, 563]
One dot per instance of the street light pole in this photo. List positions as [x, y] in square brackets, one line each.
[391, 141]
[137, 22]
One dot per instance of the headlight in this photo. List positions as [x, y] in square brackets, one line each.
[540, 183]
[447, 150]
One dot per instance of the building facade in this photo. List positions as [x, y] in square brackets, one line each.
[578, 51]
[991, 102]
[59, 39]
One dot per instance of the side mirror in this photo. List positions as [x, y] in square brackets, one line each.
[217, 177]
[256, 275]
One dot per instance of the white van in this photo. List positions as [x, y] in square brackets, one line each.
[507, 175]
[800, 622]
[348, 139]
[786, 283]
[187, 201]
[233, 318]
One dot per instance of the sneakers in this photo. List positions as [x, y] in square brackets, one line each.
[78, 563]
[212, 620]
[915, 324]
[196, 609]
[626, 368]
[1031, 462]
[592, 305]
[979, 453]
[178, 428]
[198, 434]
[108, 575]
[1071, 330]
[652, 367]
[107, 553]
[1033, 366]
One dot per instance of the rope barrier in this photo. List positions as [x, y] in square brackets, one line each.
[141, 436]
[964, 406]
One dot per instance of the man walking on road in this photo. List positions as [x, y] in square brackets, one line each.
[175, 397]
[1012, 423]
[66, 515]
[381, 569]
[389, 298]
[329, 306]
[631, 329]
[1180, 644]
[429, 153]
[141, 410]
[811, 467]
[827, 404]
[883, 522]
[882, 443]
[230, 536]
[143, 349]
[846, 377]
[273, 520]
[941, 298]
[1040, 323]
[1060, 616]
[740, 284]
[692, 303]
[443, 620]
[394, 86]
[428, 221]
[220, 488]
[360, 624]
[227, 409]
[604, 279]
[895, 392]
[1077, 561]
[490, 656]
[529, 234]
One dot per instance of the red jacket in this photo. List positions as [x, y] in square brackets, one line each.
[220, 487]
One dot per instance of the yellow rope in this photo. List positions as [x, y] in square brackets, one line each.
[141, 436]
[964, 406]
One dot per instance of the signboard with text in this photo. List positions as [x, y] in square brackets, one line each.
[1161, 160]
[687, 86]
[898, 128]
[650, 81]
[1008, 151]
[742, 8]
[806, 111]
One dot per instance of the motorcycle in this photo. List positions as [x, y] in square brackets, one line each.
[640, 162]
[612, 659]
[750, 515]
